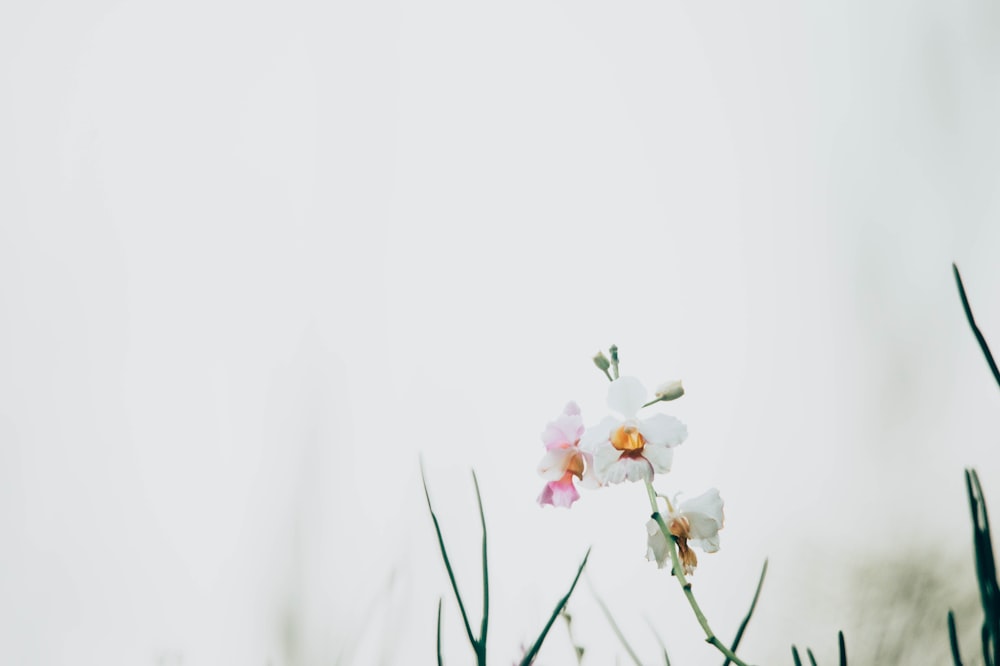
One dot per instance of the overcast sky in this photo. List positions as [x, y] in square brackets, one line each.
[257, 257]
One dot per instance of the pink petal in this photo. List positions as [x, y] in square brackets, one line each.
[565, 430]
[559, 493]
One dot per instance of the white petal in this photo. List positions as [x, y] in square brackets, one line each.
[616, 472]
[596, 435]
[704, 513]
[605, 457]
[554, 463]
[659, 456]
[708, 545]
[636, 469]
[625, 396]
[590, 479]
[663, 429]
[656, 545]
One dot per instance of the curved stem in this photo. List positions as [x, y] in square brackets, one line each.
[710, 636]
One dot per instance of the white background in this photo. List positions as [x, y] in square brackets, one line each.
[256, 257]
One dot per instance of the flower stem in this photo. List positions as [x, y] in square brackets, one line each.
[710, 636]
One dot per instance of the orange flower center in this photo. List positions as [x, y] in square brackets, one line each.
[628, 440]
[575, 466]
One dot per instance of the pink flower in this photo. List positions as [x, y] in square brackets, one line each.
[564, 460]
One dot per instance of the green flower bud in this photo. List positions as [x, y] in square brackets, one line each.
[670, 390]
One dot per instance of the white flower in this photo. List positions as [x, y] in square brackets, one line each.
[627, 448]
[695, 522]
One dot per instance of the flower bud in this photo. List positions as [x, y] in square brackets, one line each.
[602, 362]
[670, 390]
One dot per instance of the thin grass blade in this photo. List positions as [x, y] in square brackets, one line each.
[440, 660]
[447, 562]
[953, 639]
[659, 639]
[486, 576]
[578, 650]
[614, 625]
[989, 591]
[975, 329]
[533, 652]
[795, 656]
[842, 648]
[986, 646]
[991, 605]
[746, 620]
[812, 659]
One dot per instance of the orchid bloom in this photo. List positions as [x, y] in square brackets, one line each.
[626, 448]
[563, 459]
[696, 522]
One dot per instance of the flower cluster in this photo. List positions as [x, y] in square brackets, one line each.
[626, 447]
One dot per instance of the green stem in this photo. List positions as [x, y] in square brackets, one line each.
[710, 636]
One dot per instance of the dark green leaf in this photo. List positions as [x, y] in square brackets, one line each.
[481, 645]
[530, 656]
[746, 620]
[975, 329]
[440, 660]
[447, 562]
[953, 639]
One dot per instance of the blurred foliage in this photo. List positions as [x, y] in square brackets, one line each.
[900, 605]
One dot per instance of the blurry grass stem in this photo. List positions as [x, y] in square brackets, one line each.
[614, 625]
[577, 648]
[659, 639]
[710, 636]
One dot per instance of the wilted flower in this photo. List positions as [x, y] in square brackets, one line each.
[626, 447]
[563, 459]
[695, 522]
